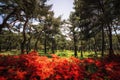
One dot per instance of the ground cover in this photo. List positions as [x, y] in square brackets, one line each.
[34, 67]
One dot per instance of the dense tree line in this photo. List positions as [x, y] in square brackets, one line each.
[89, 27]
[94, 19]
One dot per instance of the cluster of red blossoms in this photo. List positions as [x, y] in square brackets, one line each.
[34, 67]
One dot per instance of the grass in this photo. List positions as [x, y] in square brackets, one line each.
[64, 53]
[61, 53]
[69, 53]
[12, 52]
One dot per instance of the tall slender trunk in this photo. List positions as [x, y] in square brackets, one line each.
[8, 43]
[53, 46]
[95, 47]
[0, 48]
[117, 35]
[36, 43]
[89, 45]
[45, 44]
[100, 3]
[28, 48]
[24, 38]
[35, 46]
[81, 50]
[103, 42]
[111, 52]
[75, 45]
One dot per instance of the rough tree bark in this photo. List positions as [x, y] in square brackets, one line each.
[24, 37]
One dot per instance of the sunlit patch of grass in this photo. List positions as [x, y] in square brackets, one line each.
[89, 54]
[60, 53]
[12, 52]
[86, 54]
[65, 53]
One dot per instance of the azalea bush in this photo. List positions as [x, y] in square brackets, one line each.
[34, 67]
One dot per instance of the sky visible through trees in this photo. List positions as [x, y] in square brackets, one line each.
[62, 7]
[42, 23]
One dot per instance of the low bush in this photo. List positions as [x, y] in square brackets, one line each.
[34, 67]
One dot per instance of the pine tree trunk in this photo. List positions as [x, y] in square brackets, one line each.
[24, 38]
[75, 45]
[36, 47]
[103, 42]
[53, 51]
[117, 36]
[45, 45]
[95, 47]
[28, 48]
[111, 52]
[81, 50]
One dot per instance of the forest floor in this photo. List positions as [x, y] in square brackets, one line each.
[64, 53]
[32, 66]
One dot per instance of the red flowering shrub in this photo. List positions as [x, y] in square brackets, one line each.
[107, 68]
[112, 67]
[65, 69]
[34, 67]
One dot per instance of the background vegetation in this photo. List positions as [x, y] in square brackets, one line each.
[31, 25]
